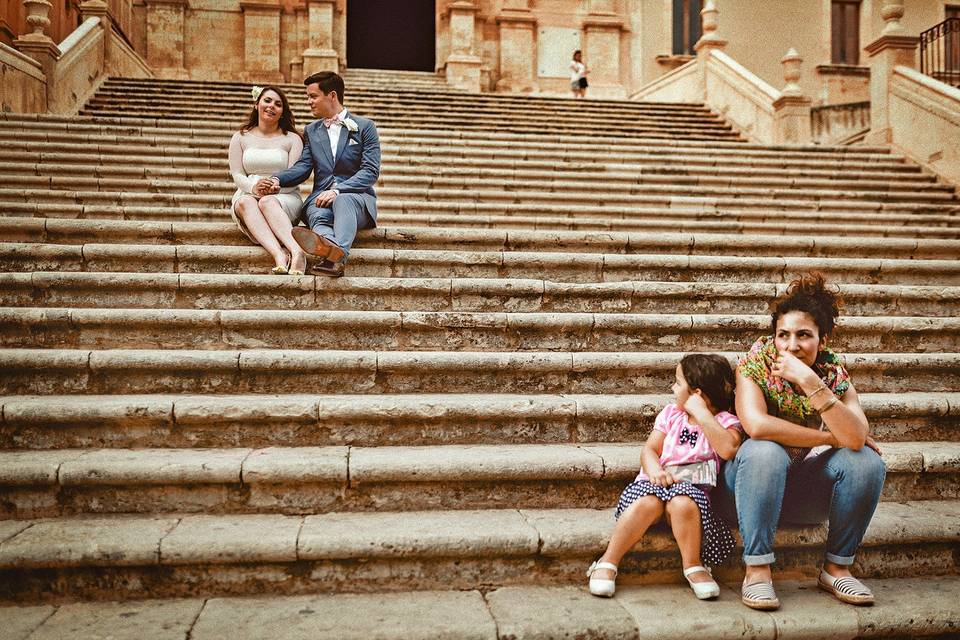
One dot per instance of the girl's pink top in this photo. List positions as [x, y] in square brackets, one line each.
[685, 443]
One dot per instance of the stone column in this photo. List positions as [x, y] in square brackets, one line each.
[518, 28]
[166, 37]
[601, 49]
[261, 40]
[792, 109]
[709, 42]
[37, 44]
[893, 48]
[320, 55]
[463, 64]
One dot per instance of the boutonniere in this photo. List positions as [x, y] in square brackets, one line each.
[351, 124]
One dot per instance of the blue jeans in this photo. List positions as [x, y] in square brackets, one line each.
[340, 223]
[841, 486]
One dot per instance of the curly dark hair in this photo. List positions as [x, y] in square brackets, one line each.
[711, 374]
[810, 294]
[287, 122]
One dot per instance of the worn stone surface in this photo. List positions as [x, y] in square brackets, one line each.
[422, 615]
[20, 622]
[535, 613]
[231, 538]
[154, 466]
[153, 619]
[300, 465]
[88, 541]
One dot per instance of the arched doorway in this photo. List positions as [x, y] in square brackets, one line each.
[391, 34]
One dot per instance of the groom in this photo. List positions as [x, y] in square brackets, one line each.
[343, 151]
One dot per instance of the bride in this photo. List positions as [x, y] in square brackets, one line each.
[267, 143]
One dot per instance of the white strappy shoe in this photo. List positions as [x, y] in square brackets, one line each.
[703, 590]
[601, 586]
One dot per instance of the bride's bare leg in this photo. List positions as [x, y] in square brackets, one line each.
[277, 218]
[249, 211]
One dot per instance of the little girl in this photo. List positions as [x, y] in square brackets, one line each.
[697, 430]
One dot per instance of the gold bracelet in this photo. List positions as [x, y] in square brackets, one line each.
[822, 387]
[829, 403]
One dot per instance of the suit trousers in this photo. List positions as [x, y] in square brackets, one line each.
[339, 224]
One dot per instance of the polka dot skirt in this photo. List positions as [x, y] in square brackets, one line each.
[717, 541]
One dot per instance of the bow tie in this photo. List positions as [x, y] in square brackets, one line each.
[328, 122]
[688, 436]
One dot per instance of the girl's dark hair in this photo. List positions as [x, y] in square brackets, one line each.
[711, 374]
[287, 121]
[809, 294]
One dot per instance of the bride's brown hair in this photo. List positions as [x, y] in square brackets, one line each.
[287, 122]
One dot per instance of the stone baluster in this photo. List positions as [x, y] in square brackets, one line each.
[37, 44]
[463, 64]
[892, 49]
[792, 108]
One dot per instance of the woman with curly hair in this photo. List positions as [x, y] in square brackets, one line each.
[267, 143]
[809, 456]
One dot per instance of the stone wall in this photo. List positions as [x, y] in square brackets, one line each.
[22, 83]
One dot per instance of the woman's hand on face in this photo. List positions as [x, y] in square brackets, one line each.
[661, 478]
[792, 369]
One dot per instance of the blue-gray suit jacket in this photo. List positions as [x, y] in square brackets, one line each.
[355, 169]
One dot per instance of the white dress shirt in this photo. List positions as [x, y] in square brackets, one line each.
[334, 133]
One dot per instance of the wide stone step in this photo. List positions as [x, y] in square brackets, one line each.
[394, 215]
[52, 231]
[310, 480]
[125, 371]
[257, 421]
[540, 265]
[257, 292]
[432, 330]
[183, 555]
[906, 607]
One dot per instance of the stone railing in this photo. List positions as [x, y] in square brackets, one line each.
[759, 111]
[926, 121]
[43, 76]
[837, 123]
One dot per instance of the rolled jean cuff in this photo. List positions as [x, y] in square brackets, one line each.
[752, 561]
[843, 561]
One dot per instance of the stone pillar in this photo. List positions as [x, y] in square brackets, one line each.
[463, 64]
[601, 49]
[893, 48]
[709, 42]
[320, 55]
[37, 44]
[792, 109]
[261, 40]
[518, 28]
[166, 37]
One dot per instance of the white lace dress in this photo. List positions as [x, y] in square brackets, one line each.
[251, 157]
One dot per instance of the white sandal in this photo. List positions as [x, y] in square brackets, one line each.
[703, 590]
[601, 586]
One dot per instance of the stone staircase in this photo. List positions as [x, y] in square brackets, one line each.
[432, 446]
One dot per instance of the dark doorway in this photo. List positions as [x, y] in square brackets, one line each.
[391, 34]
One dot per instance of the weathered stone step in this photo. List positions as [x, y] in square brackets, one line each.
[256, 292]
[540, 265]
[125, 371]
[181, 555]
[138, 177]
[54, 231]
[216, 421]
[394, 216]
[431, 330]
[906, 607]
[309, 480]
[676, 213]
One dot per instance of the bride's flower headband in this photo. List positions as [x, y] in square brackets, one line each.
[255, 91]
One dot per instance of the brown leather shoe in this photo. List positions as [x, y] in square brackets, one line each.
[327, 268]
[316, 245]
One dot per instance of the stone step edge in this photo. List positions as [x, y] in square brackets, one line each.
[175, 540]
[121, 232]
[347, 467]
[913, 607]
[186, 410]
[221, 322]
